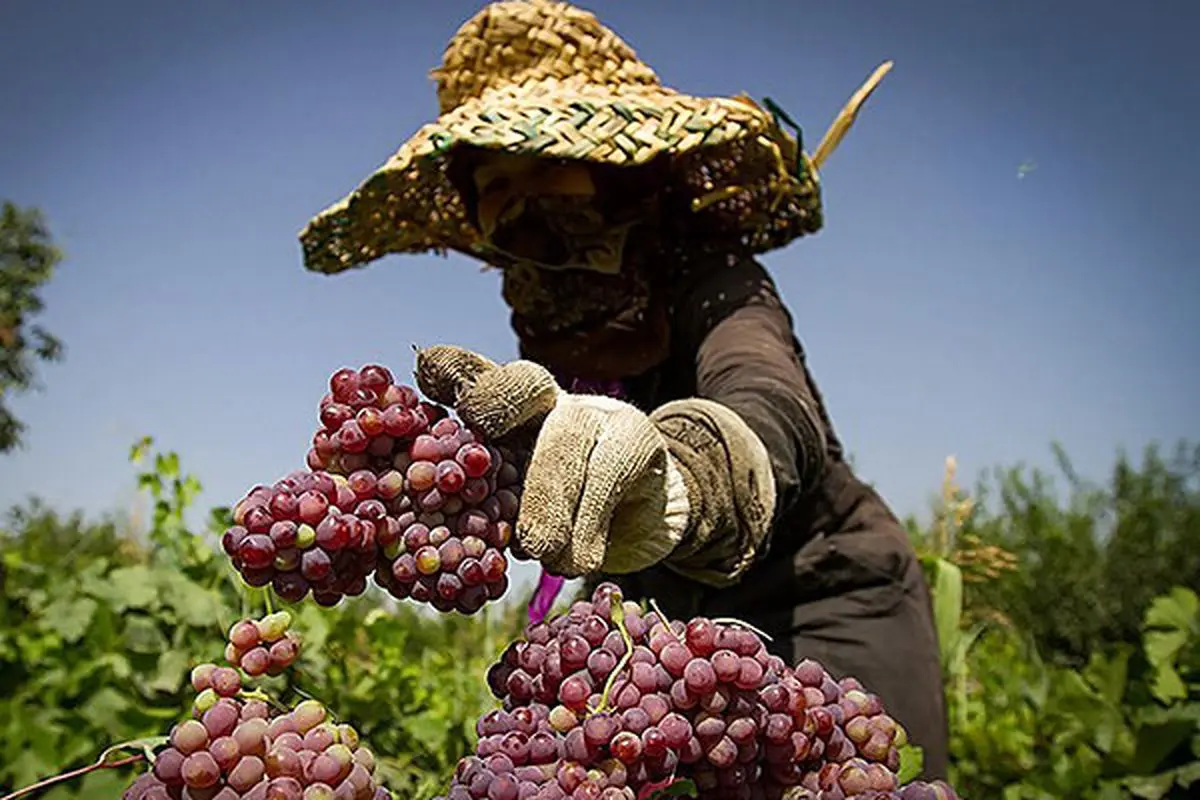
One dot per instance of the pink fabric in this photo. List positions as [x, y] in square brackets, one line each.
[548, 588]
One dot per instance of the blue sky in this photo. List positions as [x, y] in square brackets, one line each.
[948, 307]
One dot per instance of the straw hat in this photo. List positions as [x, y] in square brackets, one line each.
[546, 79]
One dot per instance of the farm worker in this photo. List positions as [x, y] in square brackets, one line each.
[679, 444]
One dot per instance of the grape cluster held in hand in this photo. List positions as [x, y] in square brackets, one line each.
[399, 491]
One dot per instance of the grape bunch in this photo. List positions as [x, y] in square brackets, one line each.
[234, 749]
[453, 523]
[239, 746]
[607, 702]
[399, 490]
[309, 531]
[263, 647]
[366, 419]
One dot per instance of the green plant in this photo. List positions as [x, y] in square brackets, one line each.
[1091, 557]
[1128, 724]
[100, 622]
[1121, 723]
[100, 625]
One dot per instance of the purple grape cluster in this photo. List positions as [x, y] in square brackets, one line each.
[308, 532]
[366, 420]
[242, 749]
[453, 523]
[609, 702]
[401, 491]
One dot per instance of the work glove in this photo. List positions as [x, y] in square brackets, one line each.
[608, 488]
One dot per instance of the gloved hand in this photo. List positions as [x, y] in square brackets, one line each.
[609, 488]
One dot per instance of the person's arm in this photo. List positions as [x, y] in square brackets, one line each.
[747, 361]
[691, 485]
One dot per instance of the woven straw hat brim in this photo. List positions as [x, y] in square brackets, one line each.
[409, 204]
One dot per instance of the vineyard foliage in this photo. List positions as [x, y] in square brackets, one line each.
[1070, 628]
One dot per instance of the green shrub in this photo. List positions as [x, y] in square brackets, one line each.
[100, 627]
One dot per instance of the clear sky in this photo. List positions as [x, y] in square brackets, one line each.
[948, 307]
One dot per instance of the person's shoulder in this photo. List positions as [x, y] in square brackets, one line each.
[710, 290]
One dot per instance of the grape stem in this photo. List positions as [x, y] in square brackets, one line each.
[718, 621]
[101, 763]
[258, 694]
[740, 623]
[267, 598]
[666, 622]
[618, 617]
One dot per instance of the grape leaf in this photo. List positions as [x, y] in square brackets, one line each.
[172, 666]
[1175, 611]
[1187, 774]
[142, 635]
[427, 727]
[1157, 740]
[194, 605]
[28, 767]
[103, 706]
[104, 783]
[131, 587]
[69, 617]
[1150, 787]
[912, 761]
[1109, 675]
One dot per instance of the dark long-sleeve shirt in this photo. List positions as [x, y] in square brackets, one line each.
[837, 579]
[733, 342]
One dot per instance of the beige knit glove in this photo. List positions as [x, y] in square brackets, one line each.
[609, 488]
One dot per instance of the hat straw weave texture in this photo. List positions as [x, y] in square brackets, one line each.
[545, 78]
